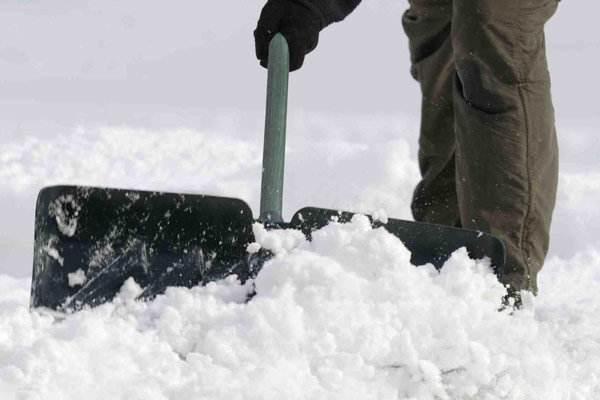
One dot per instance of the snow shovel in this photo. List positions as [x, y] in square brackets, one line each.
[89, 241]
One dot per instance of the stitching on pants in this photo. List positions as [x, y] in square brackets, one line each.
[522, 85]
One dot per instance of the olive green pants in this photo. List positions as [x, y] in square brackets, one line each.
[487, 149]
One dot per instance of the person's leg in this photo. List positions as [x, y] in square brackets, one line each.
[427, 25]
[506, 155]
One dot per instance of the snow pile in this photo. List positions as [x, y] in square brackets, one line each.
[124, 156]
[343, 317]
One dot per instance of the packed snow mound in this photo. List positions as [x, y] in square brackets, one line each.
[345, 316]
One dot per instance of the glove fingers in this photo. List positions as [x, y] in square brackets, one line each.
[268, 26]
[298, 24]
[299, 46]
[312, 42]
[296, 61]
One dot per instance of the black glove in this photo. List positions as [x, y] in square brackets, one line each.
[298, 23]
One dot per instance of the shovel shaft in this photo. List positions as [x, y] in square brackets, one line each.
[271, 196]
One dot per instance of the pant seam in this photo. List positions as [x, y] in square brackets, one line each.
[522, 86]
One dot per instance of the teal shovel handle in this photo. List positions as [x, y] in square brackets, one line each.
[271, 194]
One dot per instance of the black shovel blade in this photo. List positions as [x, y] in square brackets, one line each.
[428, 243]
[88, 241]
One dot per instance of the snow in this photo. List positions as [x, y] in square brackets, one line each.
[253, 248]
[344, 316]
[49, 249]
[123, 104]
[380, 215]
[65, 211]
[76, 278]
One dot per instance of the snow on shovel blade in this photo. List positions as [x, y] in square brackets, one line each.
[88, 241]
[428, 243]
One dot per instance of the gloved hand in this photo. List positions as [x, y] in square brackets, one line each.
[298, 23]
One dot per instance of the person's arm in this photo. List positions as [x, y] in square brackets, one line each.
[300, 22]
